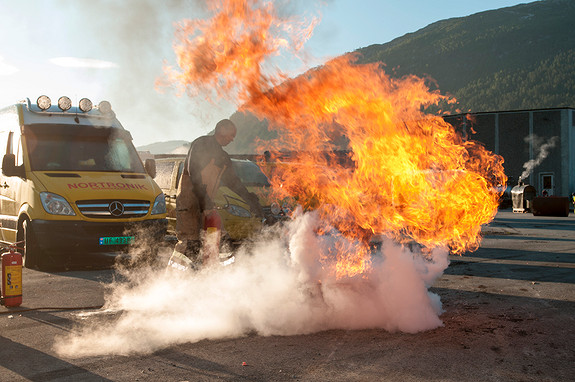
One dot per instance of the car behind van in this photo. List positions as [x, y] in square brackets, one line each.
[238, 222]
[72, 183]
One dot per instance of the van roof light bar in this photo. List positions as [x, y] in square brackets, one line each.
[64, 103]
[44, 102]
[105, 107]
[85, 105]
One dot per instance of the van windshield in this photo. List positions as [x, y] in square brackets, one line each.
[81, 148]
[250, 173]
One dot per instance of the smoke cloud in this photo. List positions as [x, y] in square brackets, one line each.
[277, 286]
[542, 148]
[136, 38]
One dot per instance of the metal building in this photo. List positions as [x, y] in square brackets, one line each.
[538, 144]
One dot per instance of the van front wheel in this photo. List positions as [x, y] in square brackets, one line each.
[30, 253]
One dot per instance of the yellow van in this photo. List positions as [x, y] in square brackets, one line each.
[72, 183]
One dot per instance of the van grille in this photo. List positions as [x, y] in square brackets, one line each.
[113, 208]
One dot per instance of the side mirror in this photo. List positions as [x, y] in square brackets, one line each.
[150, 166]
[9, 166]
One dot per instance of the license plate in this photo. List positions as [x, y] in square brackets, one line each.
[118, 240]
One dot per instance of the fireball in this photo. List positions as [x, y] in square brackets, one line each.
[409, 175]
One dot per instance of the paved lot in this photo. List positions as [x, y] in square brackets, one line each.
[509, 316]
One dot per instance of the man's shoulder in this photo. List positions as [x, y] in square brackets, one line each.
[204, 142]
[204, 139]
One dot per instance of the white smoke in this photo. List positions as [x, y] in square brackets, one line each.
[543, 149]
[273, 288]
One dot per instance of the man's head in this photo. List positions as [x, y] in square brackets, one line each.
[225, 132]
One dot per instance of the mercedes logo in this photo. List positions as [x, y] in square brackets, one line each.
[116, 208]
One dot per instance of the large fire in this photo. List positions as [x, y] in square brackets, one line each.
[412, 176]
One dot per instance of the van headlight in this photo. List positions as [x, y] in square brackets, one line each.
[159, 206]
[55, 204]
[239, 211]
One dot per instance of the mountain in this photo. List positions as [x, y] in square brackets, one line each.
[169, 147]
[520, 57]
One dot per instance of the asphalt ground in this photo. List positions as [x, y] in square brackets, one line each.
[509, 316]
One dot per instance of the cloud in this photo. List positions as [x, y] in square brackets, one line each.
[75, 62]
[7, 69]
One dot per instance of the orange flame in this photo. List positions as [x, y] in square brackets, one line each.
[412, 178]
[227, 53]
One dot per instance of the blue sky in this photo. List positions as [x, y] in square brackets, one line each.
[115, 50]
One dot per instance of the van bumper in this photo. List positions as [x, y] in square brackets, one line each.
[66, 237]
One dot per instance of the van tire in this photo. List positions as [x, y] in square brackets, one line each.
[30, 255]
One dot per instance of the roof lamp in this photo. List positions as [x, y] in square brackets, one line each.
[105, 107]
[85, 105]
[64, 103]
[44, 102]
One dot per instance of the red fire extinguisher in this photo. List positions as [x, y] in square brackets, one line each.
[11, 278]
[213, 235]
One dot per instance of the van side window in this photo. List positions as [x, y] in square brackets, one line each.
[9, 143]
[18, 151]
[164, 172]
[14, 146]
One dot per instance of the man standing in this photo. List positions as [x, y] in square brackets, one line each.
[207, 166]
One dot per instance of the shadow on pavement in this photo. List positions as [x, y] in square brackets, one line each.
[35, 368]
[523, 268]
[526, 222]
[494, 254]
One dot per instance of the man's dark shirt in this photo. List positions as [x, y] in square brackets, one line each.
[202, 151]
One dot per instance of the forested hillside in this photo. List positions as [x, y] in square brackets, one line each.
[520, 57]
